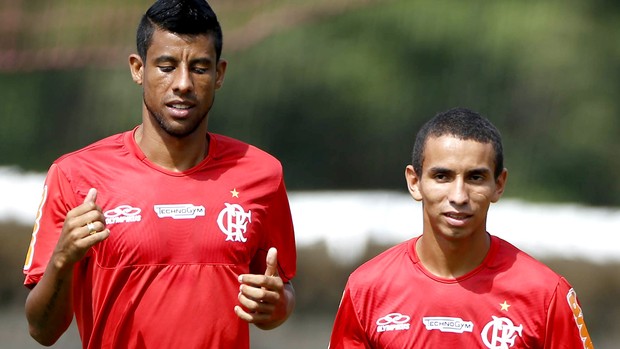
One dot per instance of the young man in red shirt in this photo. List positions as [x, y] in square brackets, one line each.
[166, 236]
[457, 286]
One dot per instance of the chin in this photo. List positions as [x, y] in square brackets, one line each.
[457, 233]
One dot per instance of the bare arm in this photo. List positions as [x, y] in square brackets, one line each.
[49, 307]
[266, 301]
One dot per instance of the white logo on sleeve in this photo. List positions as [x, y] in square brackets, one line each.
[448, 324]
[500, 333]
[393, 322]
[233, 221]
[122, 214]
[179, 211]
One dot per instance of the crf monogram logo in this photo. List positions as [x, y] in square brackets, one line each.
[502, 333]
[233, 221]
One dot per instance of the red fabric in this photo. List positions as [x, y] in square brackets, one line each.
[510, 301]
[167, 275]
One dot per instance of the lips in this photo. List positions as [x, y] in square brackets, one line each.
[457, 218]
[179, 109]
[180, 106]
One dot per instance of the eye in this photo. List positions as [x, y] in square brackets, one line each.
[166, 68]
[440, 177]
[200, 70]
[477, 177]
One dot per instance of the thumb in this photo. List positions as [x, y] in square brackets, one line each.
[91, 196]
[272, 262]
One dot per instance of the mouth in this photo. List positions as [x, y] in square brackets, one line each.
[457, 218]
[180, 109]
[179, 106]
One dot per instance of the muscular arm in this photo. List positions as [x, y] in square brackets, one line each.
[49, 307]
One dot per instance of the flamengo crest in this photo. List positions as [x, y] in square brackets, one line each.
[233, 222]
[500, 333]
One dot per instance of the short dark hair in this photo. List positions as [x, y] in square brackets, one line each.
[185, 17]
[461, 123]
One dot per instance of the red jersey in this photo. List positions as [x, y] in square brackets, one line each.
[510, 301]
[167, 275]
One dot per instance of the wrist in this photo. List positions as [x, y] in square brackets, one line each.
[61, 263]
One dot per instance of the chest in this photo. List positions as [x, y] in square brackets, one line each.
[185, 220]
[455, 316]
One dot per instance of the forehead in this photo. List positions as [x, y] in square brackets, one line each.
[165, 43]
[450, 152]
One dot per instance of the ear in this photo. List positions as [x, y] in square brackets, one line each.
[500, 185]
[221, 71]
[413, 183]
[136, 66]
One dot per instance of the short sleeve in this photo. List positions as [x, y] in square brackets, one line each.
[566, 327]
[48, 224]
[347, 331]
[278, 232]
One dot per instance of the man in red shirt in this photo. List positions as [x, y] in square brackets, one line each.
[457, 286]
[166, 236]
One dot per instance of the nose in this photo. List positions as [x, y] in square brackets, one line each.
[183, 80]
[458, 193]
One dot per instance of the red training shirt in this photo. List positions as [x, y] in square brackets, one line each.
[510, 301]
[167, 275]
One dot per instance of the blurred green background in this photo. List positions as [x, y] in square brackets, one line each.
[337, 90]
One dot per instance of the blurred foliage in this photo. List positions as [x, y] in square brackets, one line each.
[339, 94]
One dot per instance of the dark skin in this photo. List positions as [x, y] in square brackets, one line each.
[179, 78]
[49, 309]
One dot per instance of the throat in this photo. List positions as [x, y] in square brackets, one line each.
[449, 259]
[173, 154]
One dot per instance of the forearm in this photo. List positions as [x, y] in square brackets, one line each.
[289, 298]
[49, 309]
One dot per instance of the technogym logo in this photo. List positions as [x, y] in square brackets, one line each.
[448, 324]
[179, 211]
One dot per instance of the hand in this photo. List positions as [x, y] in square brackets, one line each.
[266, 300]
[76, 237]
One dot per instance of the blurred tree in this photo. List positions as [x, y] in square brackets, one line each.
[337, 89]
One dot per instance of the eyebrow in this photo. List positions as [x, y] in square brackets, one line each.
[202, 60]
[475, 171]
[434, 170]
[166, 58]
[163, 59]
[479, 171]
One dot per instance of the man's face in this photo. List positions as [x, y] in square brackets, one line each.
[456, 186]
[179, 79]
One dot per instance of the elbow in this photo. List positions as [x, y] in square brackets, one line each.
[44, 325]
[47, 333]
[43, 338]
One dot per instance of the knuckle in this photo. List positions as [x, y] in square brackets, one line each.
[252, 306]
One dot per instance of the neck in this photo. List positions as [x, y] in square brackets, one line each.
[171, 153]
[452, 258]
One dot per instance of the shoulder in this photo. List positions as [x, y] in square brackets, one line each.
[382, 267]
[521, 263]
[93, 159]
[97, 151]
[231, 149]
